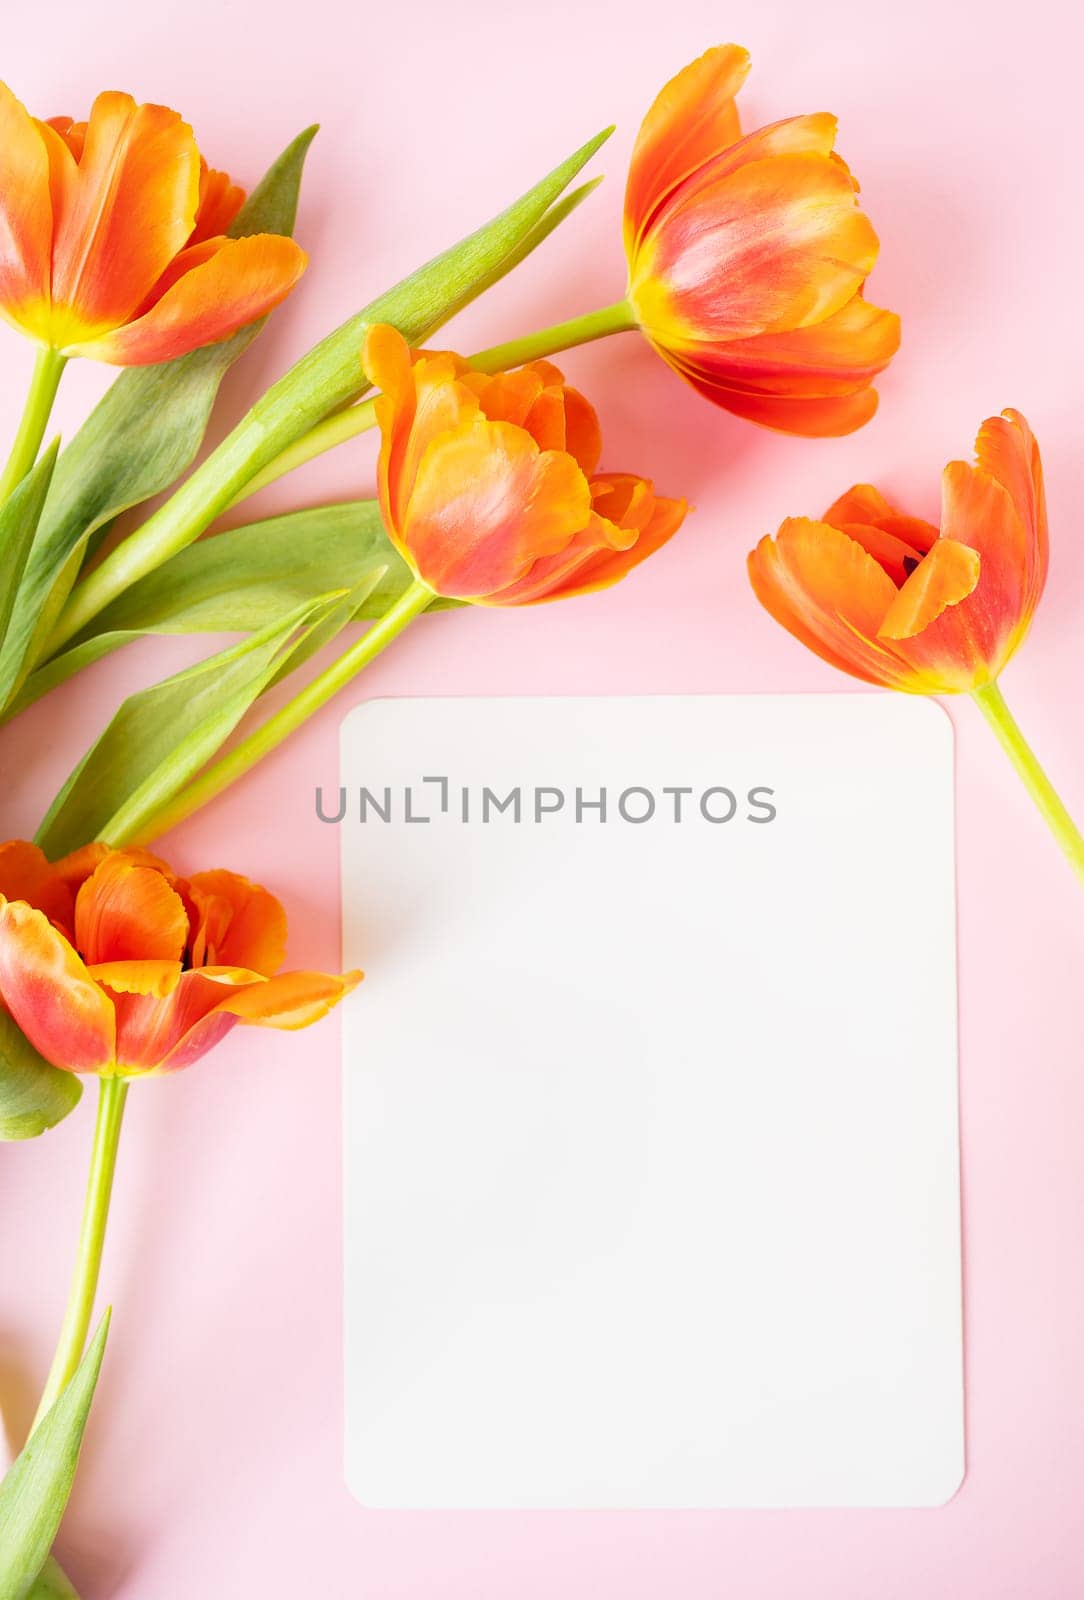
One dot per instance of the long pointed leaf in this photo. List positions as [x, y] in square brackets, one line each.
[35, 1491]
[52, 1584]
[245, 579]
[162, 735]
[19, 522]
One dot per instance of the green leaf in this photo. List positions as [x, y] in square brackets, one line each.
[328, 377]
[161, 736]
[35, 1491]
[245, 579]
[52, 1584]
[141, 436]
[558, 213]
[19, 521]
[34, 1096]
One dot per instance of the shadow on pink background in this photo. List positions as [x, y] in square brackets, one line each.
[213, 1462]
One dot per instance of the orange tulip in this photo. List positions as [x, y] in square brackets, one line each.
[488, 486]
[891, 599]
[747, 257]
[111, 239]
[110, 963]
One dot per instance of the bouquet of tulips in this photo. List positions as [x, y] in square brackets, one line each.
[748, 256]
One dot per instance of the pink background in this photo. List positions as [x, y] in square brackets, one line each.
[213, 1462]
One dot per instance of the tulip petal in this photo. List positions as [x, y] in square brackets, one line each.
[898, 558]
[773, 246]
[972, 643]
[128, 912]
[219, 202]
[418, 401]
[166, 1032]
[826, 590]
[506, 396]
[239, 923]
[1007, 450]
[26, 874]
[486, 504]
[863, 503]
[942, 579]
[292, 1000]
[137, 977]
[166, 1035]
[811, 135]
[223, 285]
[73, 135]
[26, 221]
[843, 353]
[692, 119]
[637, 522]
[50, 994]
[827, 417]
[124, 212]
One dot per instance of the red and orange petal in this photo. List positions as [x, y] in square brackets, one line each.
[50, 994]
[74, 134]
[26, 222]
[838, 356]
[126, 911]
[223, 286]
[829, 417]
[831, 594]
[998, 506]
[166, 1034]
[629, 523]
[237, 924]
[419, 400]
[27, 874]
[120, 214]
[773, 246]
[219, 202]
[486, 503]
[536, 397]
[692, 119]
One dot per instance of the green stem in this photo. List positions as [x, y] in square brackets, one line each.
[112, 1094]
[358, 419]
[226, 771]
[618, 318]
[49, 365]
[991, 703]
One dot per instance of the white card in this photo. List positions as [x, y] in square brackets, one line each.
[652, 1189]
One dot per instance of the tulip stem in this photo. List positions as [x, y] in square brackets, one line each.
[262, 740]
[49, 366]
[991, 702]
[618, 318]
[112, 1093]
[357, 419]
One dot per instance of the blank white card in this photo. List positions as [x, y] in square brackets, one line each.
[652, 1188]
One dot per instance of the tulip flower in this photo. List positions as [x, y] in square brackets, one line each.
[145, 971]
[747, 257]
[893, 600]
[112, 964]
[488, 486]
[111, 246]
[747, 261]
